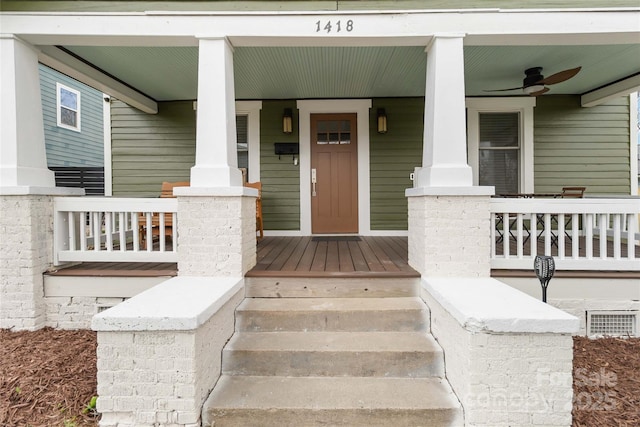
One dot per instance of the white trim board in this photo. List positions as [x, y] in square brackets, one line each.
[360, 107]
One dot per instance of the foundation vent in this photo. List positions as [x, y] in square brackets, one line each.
[612, 323]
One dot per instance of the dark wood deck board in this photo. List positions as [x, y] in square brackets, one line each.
[370, 257]
[382, 256]
[359, 263]
[320, 257]
[344, 257]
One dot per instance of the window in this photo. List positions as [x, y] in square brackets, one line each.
[500, 143]
[68, 107]
[499, 156]
[242, 144]
[248, 138]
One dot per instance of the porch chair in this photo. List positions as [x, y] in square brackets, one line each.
[571, 193]
[259, 226]
[165, 191]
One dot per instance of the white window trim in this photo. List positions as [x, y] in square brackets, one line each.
[251, 109]
[58, 106]
[522, 105]
[359, 106]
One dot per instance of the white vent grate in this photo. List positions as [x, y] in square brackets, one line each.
[613, 323]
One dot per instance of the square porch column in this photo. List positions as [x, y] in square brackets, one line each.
[27, 189]
[216, 227]
[449, 220]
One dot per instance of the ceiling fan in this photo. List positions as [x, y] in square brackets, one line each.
[535, 83]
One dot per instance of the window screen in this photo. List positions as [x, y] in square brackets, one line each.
[242, 143]
[499, 155]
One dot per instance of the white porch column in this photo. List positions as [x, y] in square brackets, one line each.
[216, 156]
[216, 214]
[27, 188]
[449, 219]
[444, 155]
[23, 160]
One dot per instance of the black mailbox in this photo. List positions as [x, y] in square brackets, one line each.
[286, 148]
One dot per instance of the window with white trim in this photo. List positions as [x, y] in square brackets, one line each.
[68, 107]
[500, 143]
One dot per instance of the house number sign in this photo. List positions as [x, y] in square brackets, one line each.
[336, 26]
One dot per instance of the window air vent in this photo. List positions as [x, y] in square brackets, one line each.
[612, 323]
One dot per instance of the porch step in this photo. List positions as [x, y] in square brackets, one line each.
[356, 361]
[318, 354]
[332, 287]
[405, 314]
[338, 401]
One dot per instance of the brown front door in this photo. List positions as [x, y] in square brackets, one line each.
[334, 168]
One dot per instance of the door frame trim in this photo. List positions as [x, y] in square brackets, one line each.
[360, 107]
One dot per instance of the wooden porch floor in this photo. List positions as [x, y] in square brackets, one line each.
[340, 256]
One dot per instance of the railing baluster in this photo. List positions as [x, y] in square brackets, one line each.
[505, 234]
[588, 228]
[149, 241]
[83, 230]
[519, 239]
[616, 236]
[108, 231]
[72, 230]
[534, 235]
[575, 236]
[560, 239]
[123, 230]
[492, 233]
[161, 230]
[547, 234]
[603, 225]
[96, 231]
[135, 227]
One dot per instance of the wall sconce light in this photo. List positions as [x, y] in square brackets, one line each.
[382, 121]
[287, 121]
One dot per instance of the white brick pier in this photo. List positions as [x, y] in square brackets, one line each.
[159, 352]
[508, 356]
[449, 231]
[216, 231]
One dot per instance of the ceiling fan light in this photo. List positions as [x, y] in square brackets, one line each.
[531, 89]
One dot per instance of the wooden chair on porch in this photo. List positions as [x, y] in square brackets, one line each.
[165, 191]
[259, 225]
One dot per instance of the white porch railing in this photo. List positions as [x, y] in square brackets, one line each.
[581, 234]
[112, 229]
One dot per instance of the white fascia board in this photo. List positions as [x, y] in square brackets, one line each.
[301, 29]
[614, 90]
[67, 64]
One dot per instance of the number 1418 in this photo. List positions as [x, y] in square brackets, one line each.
[336, 26]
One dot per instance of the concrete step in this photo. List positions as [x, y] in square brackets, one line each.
[316, 354]
[309, 401]
[332, 314]
[335, 287]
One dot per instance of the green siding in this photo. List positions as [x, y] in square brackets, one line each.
[577, 146]
[280, 178]
[148, 149]
[322, 5]
[393, 156]
[66, 147]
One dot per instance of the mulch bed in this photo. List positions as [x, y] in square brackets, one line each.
[48, 377]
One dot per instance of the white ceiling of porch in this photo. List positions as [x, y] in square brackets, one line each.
[170, 73]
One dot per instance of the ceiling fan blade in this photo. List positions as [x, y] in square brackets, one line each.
[540, 92]
[503, 90]
[560, 77]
